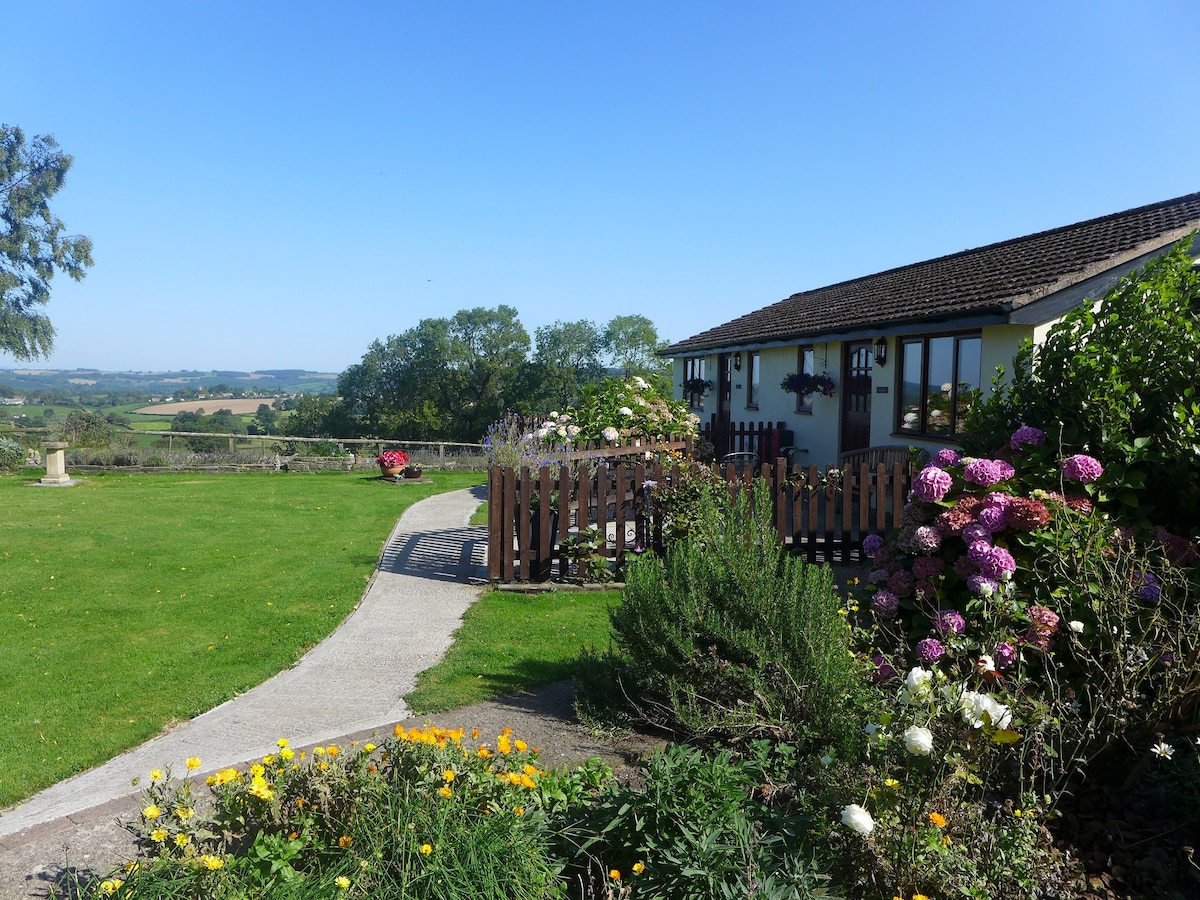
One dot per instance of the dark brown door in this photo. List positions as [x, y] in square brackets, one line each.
[856, 395]
[724, 401]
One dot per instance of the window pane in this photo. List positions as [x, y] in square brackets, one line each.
[970, 352]
[941, 385]
[752, 391]
[805, 363]
[910, 389]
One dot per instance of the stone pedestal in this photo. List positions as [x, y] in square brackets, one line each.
[56, 463]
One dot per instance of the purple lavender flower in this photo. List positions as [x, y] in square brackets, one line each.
[986, 472]
[1082, 468]
[981, 585]
[930, 650]
[885, 604]
[999, 564]
[927, 539]
[932, 484]
[947, 456]
[871, 545]
[1027, 434]
[949, 621]
[993, 518]
[1004, 654]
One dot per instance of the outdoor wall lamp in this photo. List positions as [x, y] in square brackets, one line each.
[737, 361]
[880, 352]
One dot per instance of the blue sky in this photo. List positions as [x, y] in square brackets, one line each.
[275, 185]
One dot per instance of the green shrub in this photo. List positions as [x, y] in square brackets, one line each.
[12, 455]
[703, 826]
[731, 636]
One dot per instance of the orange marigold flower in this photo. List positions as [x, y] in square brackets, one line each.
[614, 874]
[937, 819]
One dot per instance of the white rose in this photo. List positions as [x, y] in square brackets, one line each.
[857, 819]
[918, 686]
[1076, 626]
[918, 740]
[985, 663]
[975, 706]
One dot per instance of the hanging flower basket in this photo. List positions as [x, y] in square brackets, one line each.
[805, 383]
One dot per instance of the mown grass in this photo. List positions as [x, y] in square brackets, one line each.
[131, 601]
[512, 642]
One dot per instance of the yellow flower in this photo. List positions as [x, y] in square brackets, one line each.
[369, 748]
[483, 753]
[269, 759]
[520, 745]
[342, 882]
[528, 782]
[614, 874]
[445, 791]
[426, 849]
[156, 775]
[919, 897]
[286, 754]
[212, 863]
[110, 887]
[151, 812]
[184, 813]
[258, 770]
[282, 742]
[518, 810]
[193, 763]
[333, 750]
[182, 840]
[937, 819]
[638, 868]
[530, 770]
[318, 751]
[448, 775]
[474, 734]
[322, 766]
[345, 841]
[891, 783]
[158, 835]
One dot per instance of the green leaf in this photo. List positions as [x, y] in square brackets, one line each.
[1004, 736]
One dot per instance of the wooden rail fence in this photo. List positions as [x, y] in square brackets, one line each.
[823, 515]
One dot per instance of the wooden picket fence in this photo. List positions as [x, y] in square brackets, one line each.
[823, 515]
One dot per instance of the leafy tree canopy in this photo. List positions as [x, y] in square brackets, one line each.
[633, 342]
[32, 244]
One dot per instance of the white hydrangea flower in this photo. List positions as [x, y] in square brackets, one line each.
[610, 433]
[625, 411]
[1076, 626]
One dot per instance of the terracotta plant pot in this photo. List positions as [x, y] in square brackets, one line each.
[391, 471]
[412, 471]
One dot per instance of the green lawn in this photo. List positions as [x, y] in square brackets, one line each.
[512, 642]
[130, 601]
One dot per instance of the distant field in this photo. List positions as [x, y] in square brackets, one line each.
[210, 406]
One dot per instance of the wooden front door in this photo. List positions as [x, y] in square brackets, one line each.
[724, 404]
[856, 395]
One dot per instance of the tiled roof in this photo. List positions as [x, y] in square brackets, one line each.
[997, 278]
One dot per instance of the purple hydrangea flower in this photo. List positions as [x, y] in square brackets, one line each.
[871, 545]
[1004, 655]
[947, 456]
[883, 669]
[976, 532]
[996, 498]
[901, 583]
[877, 576]
[1149, 593]
[965, 567]
[930, 650]
[926, 567]
[927, 539]
[981, 585]
[993, 518]
[925, 590]
[949, 621]
[999, 564]
[932, 484]
[885, 604]
[1027, 434]
[978, 551]
[986, 472]
[1082, 468]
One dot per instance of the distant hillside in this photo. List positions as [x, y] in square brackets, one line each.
[76, 381]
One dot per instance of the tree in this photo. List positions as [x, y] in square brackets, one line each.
[32, 244]
[568, 356]
[86, 428]
[266, 418]
[633, 343]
